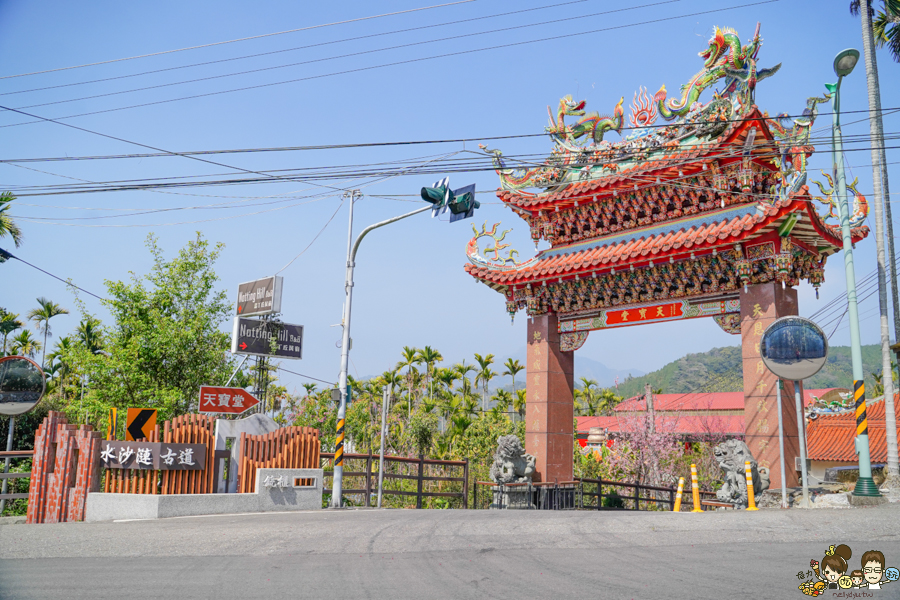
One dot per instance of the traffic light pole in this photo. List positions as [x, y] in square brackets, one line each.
[337, 486]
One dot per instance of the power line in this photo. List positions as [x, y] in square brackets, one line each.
[339, 41]
[244, 39]
[825, 140]
[348, 55]
[5, 255]
[280, 368]
[404, 62]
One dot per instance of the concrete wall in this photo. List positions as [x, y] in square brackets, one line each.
[110, 507]
[257, 424]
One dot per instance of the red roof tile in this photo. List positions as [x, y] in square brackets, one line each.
[703, 230]
[688, 425]
[832, 437]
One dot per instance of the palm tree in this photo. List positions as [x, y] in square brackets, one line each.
[608, 401]
[41, 316]
[88, 334]
[310, 388]
[887, 30]
[25, 345]
[513, 367]
[885, 26]
[587, 397]
[484, 376]
[502, 401]
[410, 358]
[519, 403]
[8, 227]
[429, 357]
[63, 347]
[9, 322]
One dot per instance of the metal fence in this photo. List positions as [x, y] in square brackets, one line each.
[361, 470]
[584, 494]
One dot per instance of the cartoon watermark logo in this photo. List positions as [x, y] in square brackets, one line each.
[832, 573]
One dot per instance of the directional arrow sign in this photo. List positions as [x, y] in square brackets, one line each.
[225, 400]
[260, 297]
[139, 423]
[267, 338]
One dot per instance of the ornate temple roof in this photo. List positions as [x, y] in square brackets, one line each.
[685, 237]
[690, 209]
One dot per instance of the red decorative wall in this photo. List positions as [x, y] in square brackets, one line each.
[66, 466]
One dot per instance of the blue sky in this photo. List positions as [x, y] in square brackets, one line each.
[410, 285]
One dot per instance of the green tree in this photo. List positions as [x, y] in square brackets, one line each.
[513, 368]
[166, 337]
[89, 334]
[519, 403]
[8, 226]
[41, 316]
[25, 345]
[9, 322]
[408, 362]
[587, 397]
[885, 25]
[484, 375]
[429, 357]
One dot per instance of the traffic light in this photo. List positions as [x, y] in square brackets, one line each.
[463, 203]
[435, 195]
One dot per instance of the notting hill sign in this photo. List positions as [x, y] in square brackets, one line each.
[267, 338]
[260, 297]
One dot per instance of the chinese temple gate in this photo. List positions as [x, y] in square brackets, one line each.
[701, 210]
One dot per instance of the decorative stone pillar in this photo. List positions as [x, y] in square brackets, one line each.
[550, 408]
[761, 304]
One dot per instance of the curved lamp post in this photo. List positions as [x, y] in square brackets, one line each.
[844, 63]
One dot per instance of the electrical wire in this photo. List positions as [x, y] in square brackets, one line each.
[824, 140]
[403, 62]
[280, 368]
[308, 46]
[7, 255]
[244, 39]
[348, 55]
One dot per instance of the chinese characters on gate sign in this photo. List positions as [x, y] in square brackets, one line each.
[152, 455]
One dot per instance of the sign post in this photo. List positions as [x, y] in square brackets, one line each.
[794, 348]
[267, 338]
[260, 297]
[225, 400]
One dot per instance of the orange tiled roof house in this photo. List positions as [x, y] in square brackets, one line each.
[702, 209]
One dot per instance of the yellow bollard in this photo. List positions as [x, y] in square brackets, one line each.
[751, 501]
[677, 507]
[695, 490]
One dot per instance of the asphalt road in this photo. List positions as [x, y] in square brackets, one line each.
[401, 554]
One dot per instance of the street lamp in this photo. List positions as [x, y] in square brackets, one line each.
[844, 63]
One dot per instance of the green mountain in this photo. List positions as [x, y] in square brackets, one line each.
[719, 370]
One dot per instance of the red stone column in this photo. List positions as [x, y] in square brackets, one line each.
[761, 304]
[550, 409]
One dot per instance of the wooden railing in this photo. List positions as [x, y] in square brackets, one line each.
[370, 477]
[4, 477]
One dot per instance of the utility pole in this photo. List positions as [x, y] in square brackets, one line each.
[879, 201]
[384, 409]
